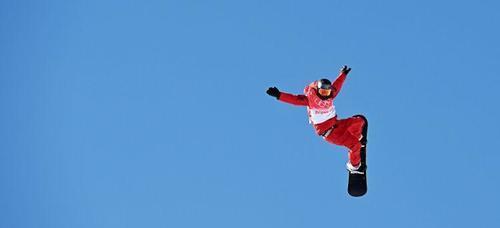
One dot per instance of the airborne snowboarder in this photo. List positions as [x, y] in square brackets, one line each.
[351, 132]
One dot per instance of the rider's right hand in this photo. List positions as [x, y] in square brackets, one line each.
[274, 92]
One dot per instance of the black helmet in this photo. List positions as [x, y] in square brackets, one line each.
[324, 84]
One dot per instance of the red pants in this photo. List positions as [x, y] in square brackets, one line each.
[347, 132]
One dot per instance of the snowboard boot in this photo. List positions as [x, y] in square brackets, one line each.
[355, 169]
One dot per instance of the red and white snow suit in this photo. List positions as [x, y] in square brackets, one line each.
[343, 132]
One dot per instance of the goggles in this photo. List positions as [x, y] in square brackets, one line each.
[325, 92]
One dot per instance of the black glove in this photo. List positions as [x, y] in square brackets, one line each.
[345, 69]
[274, 92]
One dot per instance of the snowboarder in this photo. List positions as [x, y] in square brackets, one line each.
[318, 97]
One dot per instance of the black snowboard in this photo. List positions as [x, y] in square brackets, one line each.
[357, 182]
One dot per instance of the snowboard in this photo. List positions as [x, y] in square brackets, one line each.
[357, 182]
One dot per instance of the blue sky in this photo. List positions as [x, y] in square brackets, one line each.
[154, 113]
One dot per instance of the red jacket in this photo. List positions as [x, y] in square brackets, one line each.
[307, 100]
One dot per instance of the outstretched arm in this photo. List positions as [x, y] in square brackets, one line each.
[287, 97]
[293, 99]
[337, 84]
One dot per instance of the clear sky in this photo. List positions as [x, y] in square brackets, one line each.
[154, 114]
